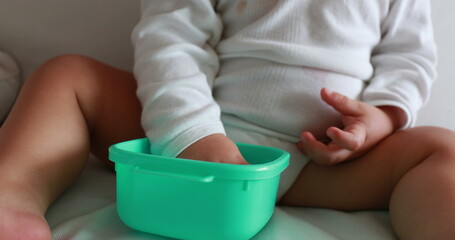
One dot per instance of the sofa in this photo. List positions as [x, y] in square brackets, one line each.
[33, 31]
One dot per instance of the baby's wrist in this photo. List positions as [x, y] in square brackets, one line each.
[396, 116]
[214, 148]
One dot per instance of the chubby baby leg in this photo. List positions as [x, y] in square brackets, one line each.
[70, 105]
[411, 173]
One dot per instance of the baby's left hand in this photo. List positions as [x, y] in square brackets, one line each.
[364, 127]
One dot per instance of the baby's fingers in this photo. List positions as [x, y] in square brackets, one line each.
[321, 153]
[351, 138]
[342, 104]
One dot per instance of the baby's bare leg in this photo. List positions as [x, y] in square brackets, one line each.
[411, 172]
[69, 105]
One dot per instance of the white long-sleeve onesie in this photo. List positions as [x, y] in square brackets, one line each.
[261, 64]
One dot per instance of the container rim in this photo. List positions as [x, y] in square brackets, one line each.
[134, 153]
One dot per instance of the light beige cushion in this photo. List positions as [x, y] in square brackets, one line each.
[9, 83]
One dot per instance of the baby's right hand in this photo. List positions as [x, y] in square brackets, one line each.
[214, 148]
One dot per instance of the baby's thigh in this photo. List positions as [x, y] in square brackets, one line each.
[106, 97]
[368, 182]
[118, 115]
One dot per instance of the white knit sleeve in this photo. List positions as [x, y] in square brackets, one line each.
[175, 65]
[405, 59]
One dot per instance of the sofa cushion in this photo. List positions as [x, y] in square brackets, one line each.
[9, 83]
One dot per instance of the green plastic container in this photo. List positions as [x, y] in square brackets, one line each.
[188, 199]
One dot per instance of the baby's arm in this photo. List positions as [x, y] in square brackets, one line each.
[175, 66]
[364, 127]
[404, 62]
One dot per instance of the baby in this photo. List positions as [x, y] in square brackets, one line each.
[335, 83]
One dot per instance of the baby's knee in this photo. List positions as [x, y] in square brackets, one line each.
[67, 61]
[434, 138]
[64, 70]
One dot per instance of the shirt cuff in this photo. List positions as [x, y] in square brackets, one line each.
[410, 115]
[190, 136]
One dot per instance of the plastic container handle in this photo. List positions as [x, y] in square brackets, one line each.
[204, 179]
